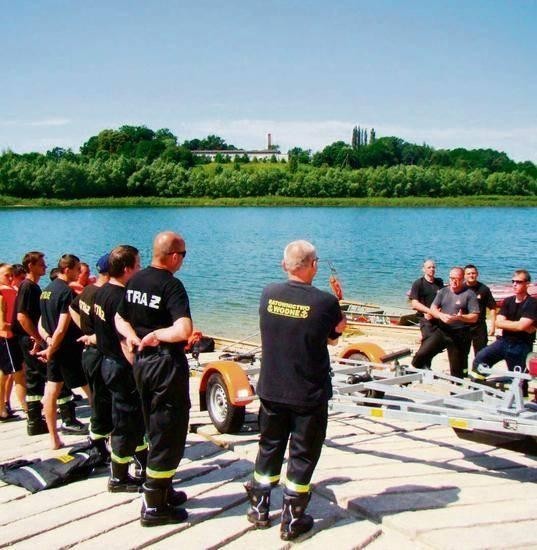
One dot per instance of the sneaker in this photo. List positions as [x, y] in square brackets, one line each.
[74, 427]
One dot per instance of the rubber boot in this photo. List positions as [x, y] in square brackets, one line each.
[70, 423]
[259, 509]
[176, 498]
[295, 521]
[102, 448]
[36, 424]
[140, 464]
[156, 510]
[120, 481]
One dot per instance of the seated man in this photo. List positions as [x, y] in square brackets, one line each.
[518, 320]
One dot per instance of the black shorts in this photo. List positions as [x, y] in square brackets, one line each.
[66, 366]
[10, 355]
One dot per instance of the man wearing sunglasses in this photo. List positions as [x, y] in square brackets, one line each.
[154, 317]
[517, 319]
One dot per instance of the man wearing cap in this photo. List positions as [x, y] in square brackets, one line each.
[155, 318]
[81, 311]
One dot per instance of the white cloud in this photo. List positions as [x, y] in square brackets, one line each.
[43, 122]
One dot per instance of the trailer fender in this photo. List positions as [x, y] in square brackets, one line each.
[373, 352]
[237, 384]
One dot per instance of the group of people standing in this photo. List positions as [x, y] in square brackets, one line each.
[454, 317]
[120, 339]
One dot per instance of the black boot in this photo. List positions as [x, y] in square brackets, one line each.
[295, 521]
[156, 509]
[140, 464]
[120, 481]
[176, 498]
[104, 453]
[258, 511]
[70, 424]
[36, 424]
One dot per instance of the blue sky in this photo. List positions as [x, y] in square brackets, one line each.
[445, 72]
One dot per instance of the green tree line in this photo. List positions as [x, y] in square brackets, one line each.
[136, 161]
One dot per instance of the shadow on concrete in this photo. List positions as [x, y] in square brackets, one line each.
[403, 498]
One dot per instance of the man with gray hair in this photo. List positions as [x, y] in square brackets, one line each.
[297, 322]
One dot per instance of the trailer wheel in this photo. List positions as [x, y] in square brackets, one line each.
[358, 356]
[226, 417]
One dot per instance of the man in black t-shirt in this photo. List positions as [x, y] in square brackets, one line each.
[155, 318]
[480, 332]
[81, 311]
[64, 353]
[422, 295]
[518, 320]
[127, 438]
[297, 322]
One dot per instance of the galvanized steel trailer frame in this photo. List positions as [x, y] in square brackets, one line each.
[380, 390]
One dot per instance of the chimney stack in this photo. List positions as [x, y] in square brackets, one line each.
[269, 142]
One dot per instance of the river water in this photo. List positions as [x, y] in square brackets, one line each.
[234, 252]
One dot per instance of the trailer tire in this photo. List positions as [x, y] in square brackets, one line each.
[359, 356]
[226, 417]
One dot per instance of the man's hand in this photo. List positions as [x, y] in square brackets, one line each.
[150, 340]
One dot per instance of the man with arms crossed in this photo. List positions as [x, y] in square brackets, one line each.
[297, 322]
[517, 319]
[456, 308]
[154, 317]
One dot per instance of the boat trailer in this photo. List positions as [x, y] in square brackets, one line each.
[370, 383]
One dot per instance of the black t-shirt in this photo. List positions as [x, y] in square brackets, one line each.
[83, 305]
[154, 299]
[425, 292]
[514, 311]
[27, 303]
[484, 299]
[55, 300]
[296, 320]
[107, 300]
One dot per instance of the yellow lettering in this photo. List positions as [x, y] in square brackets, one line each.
[285, 309]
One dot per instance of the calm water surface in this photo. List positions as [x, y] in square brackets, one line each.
[234, 252]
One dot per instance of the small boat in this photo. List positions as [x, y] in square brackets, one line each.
[502, 291]
[360, 313]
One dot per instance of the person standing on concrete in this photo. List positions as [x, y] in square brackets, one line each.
[422, 294]
[297, 322]
[63, 354]
[480, 332]
[155, 318]
[81, 311]
[456, 309]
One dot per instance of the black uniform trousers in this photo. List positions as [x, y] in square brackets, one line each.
[480, 336]
[128, 424]
[101, 412]
[162, 378]
[304, 428]
[36, 374]
[457, 342]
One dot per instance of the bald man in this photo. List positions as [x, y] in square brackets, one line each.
[297, 322]
[154, 317]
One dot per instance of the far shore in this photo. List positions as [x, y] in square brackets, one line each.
[270, 201]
